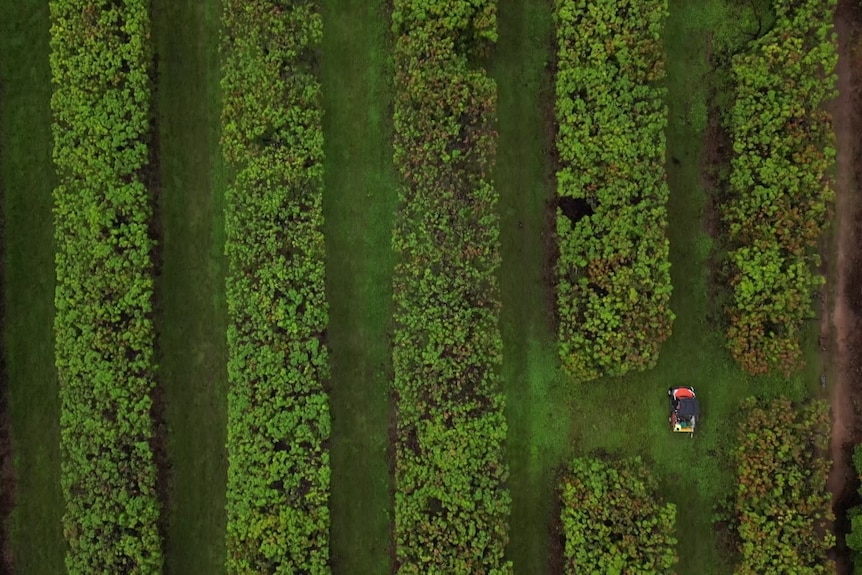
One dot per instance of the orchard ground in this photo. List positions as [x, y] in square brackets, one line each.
[550, 418]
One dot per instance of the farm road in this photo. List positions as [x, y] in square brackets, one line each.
[847, 309]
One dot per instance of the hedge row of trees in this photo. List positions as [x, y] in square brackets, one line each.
[451, 504]
[782, 507]
[780, 185]
[100, 57]
[853, 539]
[278, 412]
[613, 273]
[613, 520]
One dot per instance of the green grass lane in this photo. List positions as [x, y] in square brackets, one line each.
[552, 419]
[359, 204]
[192, 314]
[26, 184]
[538, 437]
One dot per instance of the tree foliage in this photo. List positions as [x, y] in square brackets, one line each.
[100, 55]
[613, 520]
[451, 504]
[854, 538]
[781, 505]
[780, 185]
[613, 273]
[278, 412]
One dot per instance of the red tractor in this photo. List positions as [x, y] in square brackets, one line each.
[684, 410]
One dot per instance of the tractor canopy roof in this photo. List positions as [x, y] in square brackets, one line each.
[688, 407]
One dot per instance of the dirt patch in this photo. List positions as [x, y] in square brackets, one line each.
[715, 161]
[843, 341]
[392, 446]
[158, 445]
[715, 155]
[717, 148]
[552, 255]
[151, 177]
[392, 459]
[575, 208]
[557, 540]
[547, 98]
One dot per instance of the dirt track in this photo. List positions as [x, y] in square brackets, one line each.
[846, 316]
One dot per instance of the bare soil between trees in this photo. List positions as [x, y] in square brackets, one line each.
[842, 341]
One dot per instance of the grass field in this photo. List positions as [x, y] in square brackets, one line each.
[192, 318]
[359, 205]
[26, 184]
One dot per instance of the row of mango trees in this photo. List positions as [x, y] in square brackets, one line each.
[779, 191]
[451, 504]
[613, 520]
[780, 182]
[100, 57]
[612, 273]
[781, 508]
[278, 411]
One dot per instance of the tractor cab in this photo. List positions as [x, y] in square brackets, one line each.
[684, 409]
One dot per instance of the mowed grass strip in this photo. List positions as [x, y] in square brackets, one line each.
[537, 412]
[358, 206]
[191, 320]
[27, 181]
